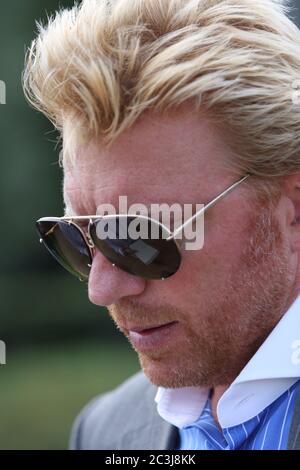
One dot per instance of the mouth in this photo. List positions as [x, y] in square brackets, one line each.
[153, 337]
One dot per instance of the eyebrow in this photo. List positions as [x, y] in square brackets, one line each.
[69, 212]
[147, 209]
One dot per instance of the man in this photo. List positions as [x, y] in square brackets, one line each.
[178, 102]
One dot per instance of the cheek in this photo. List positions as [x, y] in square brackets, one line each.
[207, 271]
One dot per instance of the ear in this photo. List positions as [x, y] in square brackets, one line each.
[291, 189]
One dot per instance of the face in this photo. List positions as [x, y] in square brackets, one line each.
[213, 314]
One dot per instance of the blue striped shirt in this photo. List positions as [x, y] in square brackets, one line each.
[256, 410]
[269, 430]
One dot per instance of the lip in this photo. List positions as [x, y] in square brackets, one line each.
[145, 329]
[147, 339]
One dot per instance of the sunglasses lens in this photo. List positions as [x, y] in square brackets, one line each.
[137, 246]
[67, 245]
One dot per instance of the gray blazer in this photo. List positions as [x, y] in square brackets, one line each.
[127, 419]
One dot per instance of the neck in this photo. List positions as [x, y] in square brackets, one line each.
[216, 395]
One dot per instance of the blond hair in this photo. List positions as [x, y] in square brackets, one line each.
[94, 69]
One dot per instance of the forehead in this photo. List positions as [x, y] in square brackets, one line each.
[160, 159]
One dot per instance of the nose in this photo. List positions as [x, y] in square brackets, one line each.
[108, 284]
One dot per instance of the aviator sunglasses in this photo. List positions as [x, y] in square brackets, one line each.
[151, 257]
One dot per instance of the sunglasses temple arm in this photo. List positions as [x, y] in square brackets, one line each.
[203, 209]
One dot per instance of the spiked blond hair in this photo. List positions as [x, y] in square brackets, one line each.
[94, 69]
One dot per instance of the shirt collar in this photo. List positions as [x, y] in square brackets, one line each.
[272, 370]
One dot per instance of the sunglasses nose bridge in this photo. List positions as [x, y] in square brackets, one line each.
[90, 242]
[87, 236]
[91, 246]
[87, 239]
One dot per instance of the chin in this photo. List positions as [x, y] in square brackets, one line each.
[166, 374]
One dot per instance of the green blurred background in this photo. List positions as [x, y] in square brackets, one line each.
[61, 350]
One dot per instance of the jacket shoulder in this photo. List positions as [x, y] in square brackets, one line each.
[106, 420]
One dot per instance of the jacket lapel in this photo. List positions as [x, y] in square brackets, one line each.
[154, 433]
[294, 436]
